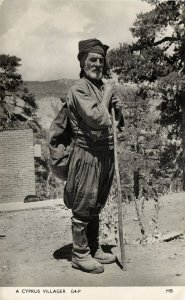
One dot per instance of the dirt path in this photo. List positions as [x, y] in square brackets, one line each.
[36, 250]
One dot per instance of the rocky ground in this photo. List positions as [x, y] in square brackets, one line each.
[36, 248]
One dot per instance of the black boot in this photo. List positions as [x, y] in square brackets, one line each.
[81, 258]
[93, 242]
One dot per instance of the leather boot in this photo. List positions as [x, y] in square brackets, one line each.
[93, 242]
[81, 257]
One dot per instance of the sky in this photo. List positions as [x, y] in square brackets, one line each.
[45, 33]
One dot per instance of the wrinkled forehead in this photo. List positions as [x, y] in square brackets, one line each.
[92, 55]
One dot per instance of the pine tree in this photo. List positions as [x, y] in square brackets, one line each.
[17, 104]
[139, 144]
[156, 61]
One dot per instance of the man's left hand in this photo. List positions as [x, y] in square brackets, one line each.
[117, 103]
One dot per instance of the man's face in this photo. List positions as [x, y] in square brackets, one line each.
[94, 65]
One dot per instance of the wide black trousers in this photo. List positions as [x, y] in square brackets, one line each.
[89, 181]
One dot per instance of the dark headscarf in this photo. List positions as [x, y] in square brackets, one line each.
[90, 46]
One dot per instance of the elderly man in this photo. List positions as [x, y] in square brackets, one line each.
[91, 166]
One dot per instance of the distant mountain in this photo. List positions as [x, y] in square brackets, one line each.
[54, 88]
[47, 95]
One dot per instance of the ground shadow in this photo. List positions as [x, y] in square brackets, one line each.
[64, 252]
[107, 249]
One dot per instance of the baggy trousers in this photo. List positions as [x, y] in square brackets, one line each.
[90, 176]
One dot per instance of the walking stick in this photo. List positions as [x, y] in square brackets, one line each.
[120, 211]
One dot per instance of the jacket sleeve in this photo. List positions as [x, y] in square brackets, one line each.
[92, 112]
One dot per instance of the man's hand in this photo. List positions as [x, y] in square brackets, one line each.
[109, 91]
[117, 103]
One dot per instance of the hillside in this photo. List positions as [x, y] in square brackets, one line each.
[47, 95]
[54, 88]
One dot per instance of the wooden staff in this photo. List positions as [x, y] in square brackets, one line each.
[120, 212]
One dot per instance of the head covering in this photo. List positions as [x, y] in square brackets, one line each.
[90, 45]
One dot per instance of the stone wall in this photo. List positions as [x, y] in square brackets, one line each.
[17, 172]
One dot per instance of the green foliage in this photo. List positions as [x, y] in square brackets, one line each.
[156, 63]
[47, 185]
[139, 152]
[148, 25]
[138, 67]
[109, 223]
[18, 106]
[152, 75]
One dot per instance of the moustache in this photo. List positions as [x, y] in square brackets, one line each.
[97, 69]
